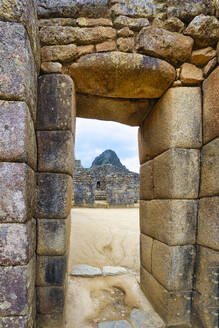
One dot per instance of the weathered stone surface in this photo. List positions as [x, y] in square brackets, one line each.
[17, 136]
[50, 270]
[127, 111]
[210, 169]
[146, 244]
[86, 8]
[171, 221]
[208, 223]
[201, 57]
[18, 73]
[176, 174]
[66, 53]
[126, 44]
[114, 324]
[85, 22]
[53, 35]
[54, 320]
[85, 50]
[55, 151]
[105, 74]
[173, 307]
[84, 270]
[142, 144]
[191, 75]
[210, 67]
[17, 243]
[16, 290]
[125, 32]
[175, 121]
[57, 22]
[52, 236]
[146, 180]
[23, 11]
[56, 104]
[211, 106]
[50, 67]
[17, 183]
[50, 299]
[158, 42]
[150, 319]
[133, 23]
[172, 24]
[106, 46]
[177, 263]
[54, 195]
[205, 315]
[207, 275]
[204, 29]
[114, 270]
[14, 322]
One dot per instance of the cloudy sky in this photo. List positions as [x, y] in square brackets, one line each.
[94, 136]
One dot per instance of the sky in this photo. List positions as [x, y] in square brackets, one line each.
[95, 136]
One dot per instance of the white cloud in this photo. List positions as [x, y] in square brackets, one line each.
[93, 137]
[132, 163]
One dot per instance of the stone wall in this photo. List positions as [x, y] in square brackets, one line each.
[117, 186]
[19, 67]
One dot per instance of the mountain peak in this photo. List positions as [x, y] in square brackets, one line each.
[108, 157]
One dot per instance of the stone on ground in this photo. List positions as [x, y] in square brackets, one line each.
[142, 319]
[86, 271]
[114, 324]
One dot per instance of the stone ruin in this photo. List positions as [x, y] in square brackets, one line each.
[109, 184]
[146, 63]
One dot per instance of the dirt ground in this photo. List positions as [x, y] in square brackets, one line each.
[101, 237]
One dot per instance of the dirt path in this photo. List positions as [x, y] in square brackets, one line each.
[103, 237]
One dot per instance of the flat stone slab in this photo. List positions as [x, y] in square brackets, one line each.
[122, 75]
[141, 319]
[113, 270]
[86, 271]
[114, 324]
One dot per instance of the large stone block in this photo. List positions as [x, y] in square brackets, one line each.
[175, 121]
[79, 8]
[176, 174]
[170, 46]
[208, 223]
[210, 169]
[203, 314]
[146, 181]
[142, 145]
[17, 136]
[50, 299]
[54, 195]
[16, 290]
[17, 243]
[50, 35]
[51, 237]
[54, 320]
[126, 111]
[120, 71]
[207, 275]
[173, 222]
[18, 72]
[211, 106]
[15, 322]
[50, 270]
[55, 151]
[56, 104]
[63, 54]
[23, 11]
[177, 263]
[173, 307]
[17, 189]
[146, 244]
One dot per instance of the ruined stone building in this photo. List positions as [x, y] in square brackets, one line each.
[114, 184]
[146, 63]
